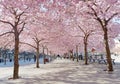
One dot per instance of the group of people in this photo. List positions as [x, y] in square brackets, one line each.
[58, 56]
[80, 57]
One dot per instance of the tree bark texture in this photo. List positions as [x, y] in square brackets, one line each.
[108, 54]
[16, 60]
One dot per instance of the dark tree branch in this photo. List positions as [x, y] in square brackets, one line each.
[7, 22]
[38, 40]
[107, 8]
[96, 16]
[91, 31]
[95, 13]
[81, 29]
[112, 17]
[19, 15]
[77, 36]
[6, 33]
[14, 12]
[87, 36]
[28, 44]
[35, 39]
[22, 28]
[21, 22]
[41, 40]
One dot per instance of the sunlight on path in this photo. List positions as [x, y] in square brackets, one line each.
[63, 71]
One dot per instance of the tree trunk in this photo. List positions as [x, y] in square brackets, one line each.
[85, 53]
[77, 52]
[108, 55]
[72, 56]
[44, 56]
[16, 60]
[37, 58]
[24, 57]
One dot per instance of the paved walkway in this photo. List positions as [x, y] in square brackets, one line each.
[78, 73]
[68, 72]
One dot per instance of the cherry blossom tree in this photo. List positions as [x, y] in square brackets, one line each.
[57, 21]
[35, 35]
[86, 34]
[34, 44]
[104, 13]
[14, 14]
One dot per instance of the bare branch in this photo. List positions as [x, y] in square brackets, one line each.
[98, 6]
[28, 44]
[19, 15]
[13, 11]
[7, 22]
[22, 27]
[35, 39]
[91, 31]
[78, 36]
[41, 39]
[81, 29]
[87, 35]
[6, 33]
[95, 13]
[96, 16]
[22, 21]
[38, 40]
[112, 17]
[107, 8]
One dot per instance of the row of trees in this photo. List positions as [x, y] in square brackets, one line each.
[60, 25]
